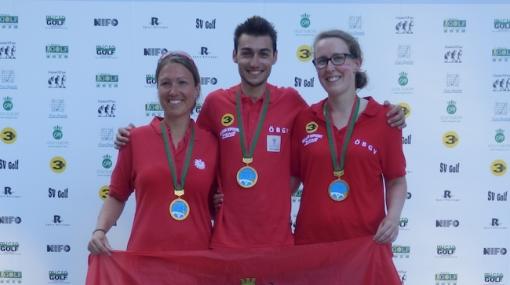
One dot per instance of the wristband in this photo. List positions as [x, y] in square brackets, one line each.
[99, 230]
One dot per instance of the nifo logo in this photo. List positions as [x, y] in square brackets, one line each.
[446, 250]
[57, 51]
[10, 220]
[447, 223]
[205, 24]
[58, 275]
[9, 247]
[493, 278]
[500, 54]
[404, 25]
[55, 21]
[106, 108]
[501, 83]
[154, 51]
[58, 248]
[107, 80]
[446, 278]
[453, 54]
[7, 50]
[502, 25]
[208, 81]
[57, 79]
[8, 22]
[454, 26]
[105, 22]
[494, 251]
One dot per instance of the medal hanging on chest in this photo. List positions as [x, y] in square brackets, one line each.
[179, 209]
[247, 176]
[338, 189]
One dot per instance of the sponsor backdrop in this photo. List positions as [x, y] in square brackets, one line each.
[72, 72]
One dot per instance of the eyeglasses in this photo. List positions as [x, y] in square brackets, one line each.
[336, 59]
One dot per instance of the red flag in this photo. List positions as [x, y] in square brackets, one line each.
[352, 262]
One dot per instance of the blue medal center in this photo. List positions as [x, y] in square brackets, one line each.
[247, 177]
[338, 190]
[179, 209]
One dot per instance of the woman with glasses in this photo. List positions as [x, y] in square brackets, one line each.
[170, 165]
[349, 159]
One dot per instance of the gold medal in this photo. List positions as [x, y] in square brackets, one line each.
[179, 209]
[338, 190]
[247, 176]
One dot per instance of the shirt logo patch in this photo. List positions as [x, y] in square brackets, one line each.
[273, 143]
[228, 133]
[309, 139]
[311, 127]
[227, 119]
[199, 164]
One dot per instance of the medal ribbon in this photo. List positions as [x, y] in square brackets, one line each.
[339, 167]
[248, 156]
[178, 188]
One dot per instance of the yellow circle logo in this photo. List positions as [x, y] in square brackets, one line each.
[58, 164]
[8, 135]
[311, 127]
[304, 53]
[450, 139]
[227, 119]
[103, 192]
[406, 108]
[498, 167]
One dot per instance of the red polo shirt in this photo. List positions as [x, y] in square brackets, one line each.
[373, 153]
[142, 167]
[257, 216]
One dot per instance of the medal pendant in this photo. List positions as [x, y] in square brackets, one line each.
[179, 209]
[247, 176]
[338, 190]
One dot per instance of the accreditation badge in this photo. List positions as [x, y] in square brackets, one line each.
[338, 190]
[247, 176]
[179, 209]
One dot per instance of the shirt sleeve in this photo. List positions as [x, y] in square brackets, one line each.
[393, 159]
[295, 158]
[121, 184]
[204, 119]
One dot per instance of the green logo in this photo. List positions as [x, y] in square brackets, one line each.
[451, 108]
[500, 136]
[402, 79]
[107, 161]
[305, 20]
[57, 132]
[7, 105]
